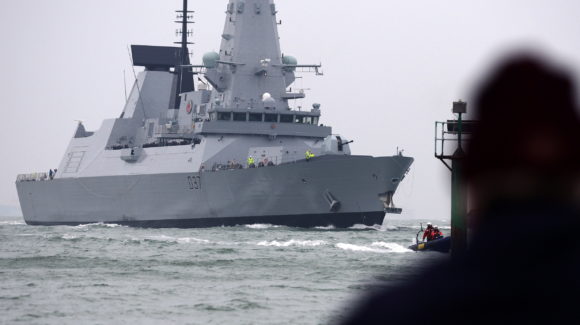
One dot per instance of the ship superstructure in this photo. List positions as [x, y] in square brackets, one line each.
[230, 152]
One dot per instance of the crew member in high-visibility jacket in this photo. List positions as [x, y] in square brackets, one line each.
[437, 233]
[309, 155]
[251, 162]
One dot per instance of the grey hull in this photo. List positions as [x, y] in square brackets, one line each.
[295, 194]
[338, 220]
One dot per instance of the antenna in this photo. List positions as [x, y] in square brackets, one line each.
[184, 18]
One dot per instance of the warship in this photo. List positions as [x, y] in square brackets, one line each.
[217, 144]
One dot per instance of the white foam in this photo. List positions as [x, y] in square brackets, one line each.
[12, 223]
[331, 227]
[365, 227]
[261, 226]
[393, 247]
[99, 224]
[188, 240]
[111, 225]
[162, 238]
[180, 240]
[292, 242]
[69, 237]
[358, 248]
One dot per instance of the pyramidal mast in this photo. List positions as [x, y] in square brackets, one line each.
[250, 70]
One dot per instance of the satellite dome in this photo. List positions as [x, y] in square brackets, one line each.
[289, 60]
[268, 100]
[266, 97]
[210, 60]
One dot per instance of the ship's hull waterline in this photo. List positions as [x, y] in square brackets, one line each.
[296, 194]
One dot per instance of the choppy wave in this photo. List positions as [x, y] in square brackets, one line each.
[292, 242]
[330, 227]
[257, 263]
[394, 247]
[178, 240]
[261, 226]
[69, 237]
[75, 237]
[64, 237]
[375, 227]
[98, 225]
[365, 227]
[12, 223]
[359, 248]
[376, 247]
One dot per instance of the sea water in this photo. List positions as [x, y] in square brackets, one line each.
[253, 274]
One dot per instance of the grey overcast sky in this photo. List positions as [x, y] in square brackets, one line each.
[392, 68]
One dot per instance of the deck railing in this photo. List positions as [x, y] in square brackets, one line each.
[33, 177]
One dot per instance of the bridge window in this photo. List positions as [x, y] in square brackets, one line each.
[224, 116]
[271, 118]
[286, 118]
[240, 117]
[299, 119]
[255, 117]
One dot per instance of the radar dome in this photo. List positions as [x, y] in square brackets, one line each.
[289, 60]
[268, 100]
[210, 60]
[266, 97]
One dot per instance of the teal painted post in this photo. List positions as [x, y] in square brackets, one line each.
[458, 199]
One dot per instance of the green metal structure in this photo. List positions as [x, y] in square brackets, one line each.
[455, 131]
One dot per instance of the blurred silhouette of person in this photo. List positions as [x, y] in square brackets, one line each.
[523, 173]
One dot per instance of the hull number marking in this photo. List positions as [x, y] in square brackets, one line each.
[194, 182]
